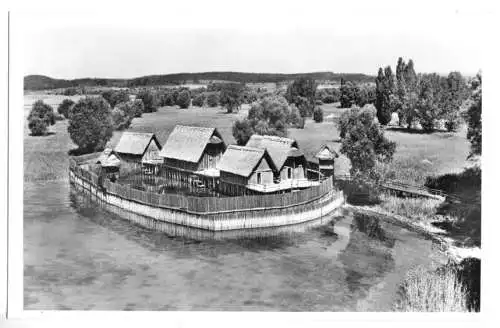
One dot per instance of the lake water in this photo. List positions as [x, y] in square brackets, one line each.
[81, 255]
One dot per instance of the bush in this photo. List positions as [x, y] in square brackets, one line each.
[120, 120]
[213, 99]
[318, 115]
[199, 100]
[329, 99]
[70, 91]
[64, 107]
[40, 112]
[453, 123]
[184, 99]
[90, 125]
[37, 126]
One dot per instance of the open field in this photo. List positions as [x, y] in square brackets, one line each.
[417, 155]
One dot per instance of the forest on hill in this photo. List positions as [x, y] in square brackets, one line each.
[41, 82]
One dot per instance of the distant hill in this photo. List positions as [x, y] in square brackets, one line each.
[41, 82]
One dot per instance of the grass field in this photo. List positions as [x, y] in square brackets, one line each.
[417, 155]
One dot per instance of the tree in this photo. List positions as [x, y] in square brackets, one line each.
[231, 96]
[148, 100]
[349, 94]
[268, 116]
[302, 93]
[295, 120]
[120, 120]
[64, 107]
[454, 95]
[385, 98]
[132, 108]
[37, 126]
[184, 99]
[318, 115]
[473, 117]
[90, 125]
[41, 115]
[213, 99]
[114, 97]
[363, 142]
[242, 131]
[199, 100]
[430, 101]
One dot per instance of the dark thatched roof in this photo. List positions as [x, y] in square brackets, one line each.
[108, 158]
[242, 160]
[187, 143]
[277, 147]
[135, 143]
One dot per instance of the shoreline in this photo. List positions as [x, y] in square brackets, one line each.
[447, 247]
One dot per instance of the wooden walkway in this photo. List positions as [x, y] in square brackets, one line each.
[412, 190]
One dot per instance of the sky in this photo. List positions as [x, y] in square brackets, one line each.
[256, 37]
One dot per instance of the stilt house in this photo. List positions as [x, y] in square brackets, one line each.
[138, 151]
[193, 150]
[245, 169]
[326, 160]
[290, 161]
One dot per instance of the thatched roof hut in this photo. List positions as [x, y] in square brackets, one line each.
[327, 152]
[243, 160]
[108, 158]
[192, 148]
[277, 147]
[187, 143]
[136, 143]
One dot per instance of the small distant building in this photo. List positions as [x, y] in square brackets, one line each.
[110, 163]
[325, 158]
[245, 169]
[139, 150]
[290, 161]
[191, 149]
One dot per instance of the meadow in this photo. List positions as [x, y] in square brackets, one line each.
[417, 155]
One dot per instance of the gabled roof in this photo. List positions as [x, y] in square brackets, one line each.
[135, 143]
[327, 151]
[242, 160]
[108, 158]
[187, 143]
[277, 147]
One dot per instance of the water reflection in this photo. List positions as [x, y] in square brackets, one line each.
[367, 260]
[80, 254]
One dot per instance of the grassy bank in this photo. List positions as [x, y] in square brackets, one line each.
[418, 209]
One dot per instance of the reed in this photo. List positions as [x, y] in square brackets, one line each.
[433, 291]
[421, 209]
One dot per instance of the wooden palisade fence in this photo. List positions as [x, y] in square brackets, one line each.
[313, 199]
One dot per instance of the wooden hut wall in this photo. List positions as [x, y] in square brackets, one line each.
[152, 151]
[130, 163]
[211, 156]
[181, 165]
[297, 166]
[232, 184]
[266, 174]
